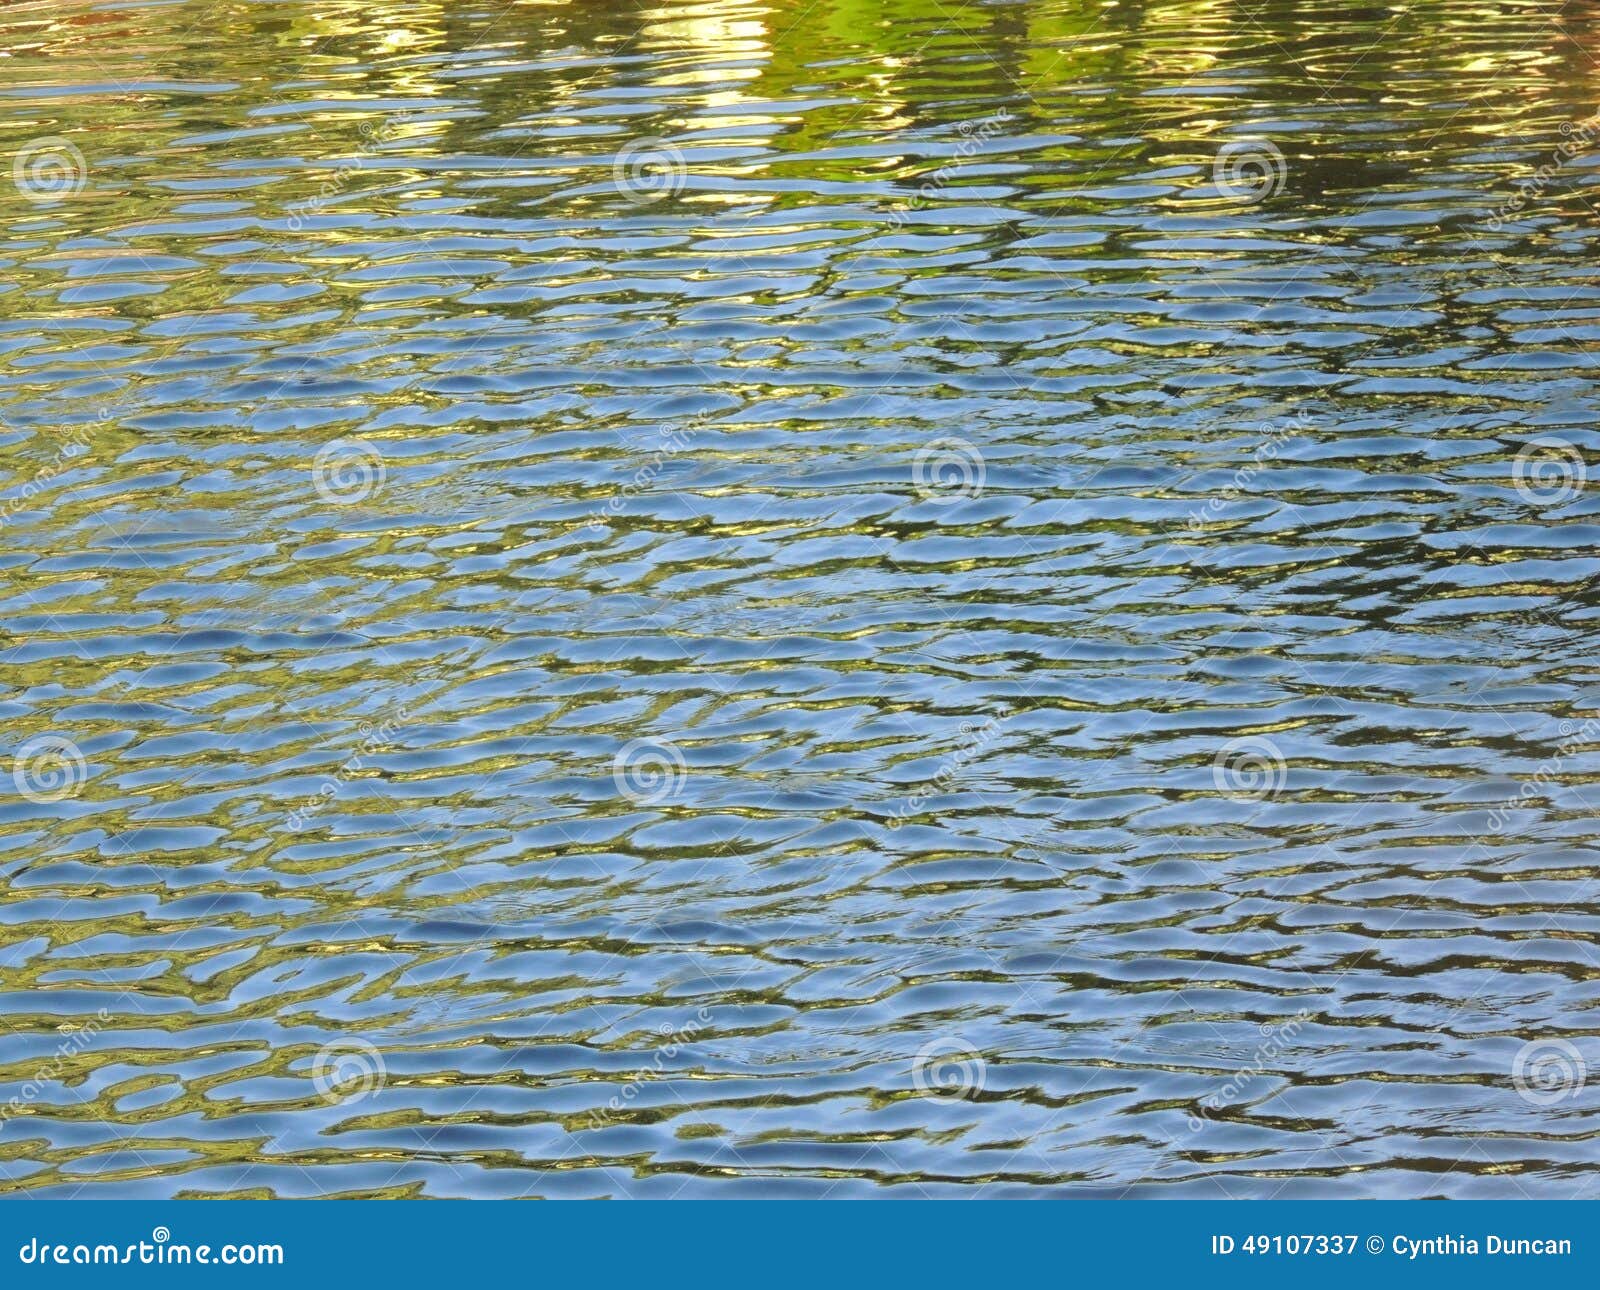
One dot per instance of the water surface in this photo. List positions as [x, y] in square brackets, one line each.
[770, 598]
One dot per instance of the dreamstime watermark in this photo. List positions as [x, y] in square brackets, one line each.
[48, 169]
[671, 441]
[1547, 1071]
[1270, 441]
[1249, 170]
[649, 771]
[1276, 1039]
[1573, 737]
[374, 739]
[674, 1037]
[57, 1065]
[973, 134]
[974, 739]
[348, 1070]
[374, 135]
[160, 1250]
[648, 170]
[949, 1067]
[1579, 137]
[1549, 472]
[1250, 768]
[348, 471]
[48, 768]
[67, 453]
[948, 470]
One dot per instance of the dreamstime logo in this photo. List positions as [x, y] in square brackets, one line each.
[1578, 138]
[1574, 737]
[1276, 1038]
[674, 1039]
[69, 449]
[1249, 170]
[1549, 472]
[948, 470]
[48, 768]
[974, 739]
[348, 1070]
[374, 135]
[58, 1066]
[972, 135]
[647, 772]
[671, 442]
[1250, 768]
[648, 170]
[1272, 435]
[160, 1250]
[49, 169]
[347, 471]
[1547, 1071]
[374, 739]
[948, 1067]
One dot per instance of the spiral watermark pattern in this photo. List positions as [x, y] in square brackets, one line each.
[948, 470]
[648, 772]
[1547, 1071]
[1250, 769]
[1249, 170]
[46, 170]
[648, 170]
[48, 768]
[1549, 472]
[160, 1235]
[948, 1067]
[347, 471]
[348, 1070]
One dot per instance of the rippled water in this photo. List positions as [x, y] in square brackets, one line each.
[781, 598]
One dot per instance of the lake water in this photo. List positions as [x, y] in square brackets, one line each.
[869, 597]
